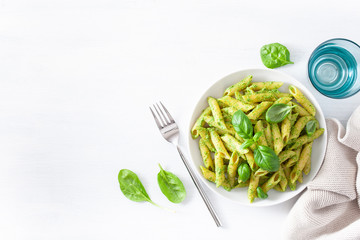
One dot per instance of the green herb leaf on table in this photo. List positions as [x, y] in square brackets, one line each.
[277, 112]
[244, 172]
[311, 127]
[242, 125]
[275, 55]
[261, 194]
[171, 186]
[132, 188]
[266, 158]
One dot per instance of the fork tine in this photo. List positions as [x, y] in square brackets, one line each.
[156, 120]
[159, 115]
[168, 114]
[163, 115]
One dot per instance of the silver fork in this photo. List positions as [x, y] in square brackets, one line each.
[170, 131]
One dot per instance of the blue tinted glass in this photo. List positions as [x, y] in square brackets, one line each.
[334, 68]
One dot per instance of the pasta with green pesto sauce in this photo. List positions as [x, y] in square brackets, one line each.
[220, 144]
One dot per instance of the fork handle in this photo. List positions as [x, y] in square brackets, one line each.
[200, 189]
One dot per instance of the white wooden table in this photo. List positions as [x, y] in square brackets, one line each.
[76, 80]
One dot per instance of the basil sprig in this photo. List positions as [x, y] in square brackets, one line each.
[310, 127]
[244, 172]
[261, 194]
[242, 125]
[277, 112]
[264, 156]
[247, 143]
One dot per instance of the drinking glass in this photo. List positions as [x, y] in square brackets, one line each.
[334, 68]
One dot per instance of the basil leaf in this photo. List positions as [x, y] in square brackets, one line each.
[266, 158]
[257, 136]
[277, 112]
[261, 194]
[244, 172]
[132, 188]
[242, 125]
[275, 55]
[311, 127]
[247, 143]
[171, 186]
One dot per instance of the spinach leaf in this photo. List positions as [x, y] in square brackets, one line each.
[266, 158]
[277, 112]
[244, 172]
[310, 127]
[171, 186]
[242, 125]
[275, 55]
[132, 187]
[261, 194]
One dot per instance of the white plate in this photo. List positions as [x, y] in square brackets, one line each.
[259, 75]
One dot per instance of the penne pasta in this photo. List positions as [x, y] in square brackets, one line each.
[237, 104]
[307, 166]
[256, 86]
[293, 118]
[300, 178]
[253, 184]
[300, 110]
[300, 97]
[232, 168]
[200, 123]
[218, 144]
[260, 128]
[306, 139]
[220, 169]
[216, 112]
[285, 155]
[278, 188]
[238, 96]
[230, 91]
[304, 157]
[285, 129]
[283, 100]
[206, 156]
[211, 176]
[258, 110]
[259, 97]
[291, 185]
[234, 143]
[278, 143]
[283, 181]
[268, 135]
[292, 161]
[205, 136]
[229, 110]
[273, 180]
[299, 126]
[261, 172]
[212, 123]
[251, 161]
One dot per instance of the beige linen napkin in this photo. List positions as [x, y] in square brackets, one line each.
[329, 208]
